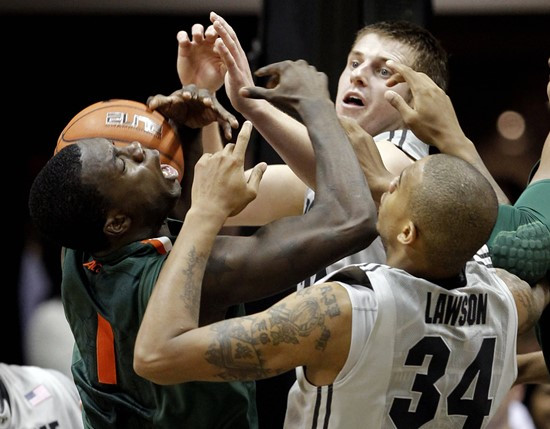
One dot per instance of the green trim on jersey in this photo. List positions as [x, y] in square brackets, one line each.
[118, 288]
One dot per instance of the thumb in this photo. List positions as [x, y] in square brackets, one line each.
[254, 92]
[398, 103]
[256, 176]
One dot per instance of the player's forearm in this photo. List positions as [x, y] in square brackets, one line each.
[174, 304]
[466, 150]
[532, 368]
[339, 178]
[288, 137]
[211, 138]
[341, 222]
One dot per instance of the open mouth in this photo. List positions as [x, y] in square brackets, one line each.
[355, 101]
[169, 172]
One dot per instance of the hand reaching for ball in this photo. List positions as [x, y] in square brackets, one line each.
[194, 108]
[123, 122]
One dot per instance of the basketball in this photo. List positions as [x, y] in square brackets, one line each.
[123, 122]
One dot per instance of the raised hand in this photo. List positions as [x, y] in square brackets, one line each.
[432, 117]
[197, 62]
[295, 83]
[238, 73]
[220, 183]
[433, 120]
[194, 108]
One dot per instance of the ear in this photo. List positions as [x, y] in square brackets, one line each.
[408, 234]
[116, 225]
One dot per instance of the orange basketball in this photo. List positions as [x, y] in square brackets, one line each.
[123, 122]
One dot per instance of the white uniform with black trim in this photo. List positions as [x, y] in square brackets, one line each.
[421, 355]
[413, 147]
[39, 398]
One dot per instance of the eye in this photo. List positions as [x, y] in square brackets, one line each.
[384, 72]
[354, 64]
[123, 161]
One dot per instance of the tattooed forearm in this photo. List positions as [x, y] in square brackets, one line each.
[239, 343]
[526, 299]
[193, 274]
[235, 352]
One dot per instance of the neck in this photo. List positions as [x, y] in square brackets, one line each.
[129, 237]
[418, 266]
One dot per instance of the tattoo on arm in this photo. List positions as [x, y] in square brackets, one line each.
[237, 348]
[528, 301]
[193, 274]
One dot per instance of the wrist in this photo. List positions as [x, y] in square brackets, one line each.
[254, 110]
[211, 216]
[186, 133]
[459, 146]
[312, 109]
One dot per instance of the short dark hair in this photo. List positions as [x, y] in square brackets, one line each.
[455, 208]
[65, 210]
[430, 57]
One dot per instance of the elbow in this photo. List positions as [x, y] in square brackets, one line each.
[151, 367]
[358, 226]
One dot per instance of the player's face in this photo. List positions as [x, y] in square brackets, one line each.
[393, 212]
[131, 177]
[362, 84]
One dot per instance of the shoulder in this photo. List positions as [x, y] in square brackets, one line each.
[406, 141]
[326, 303]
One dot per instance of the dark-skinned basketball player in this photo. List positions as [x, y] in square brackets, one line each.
[426, 340]
[105, 205]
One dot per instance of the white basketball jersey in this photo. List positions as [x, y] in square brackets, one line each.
[39, 398]
[421, 355]
[406, 141]
[413, 147]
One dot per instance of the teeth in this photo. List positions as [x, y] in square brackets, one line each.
[169, 172]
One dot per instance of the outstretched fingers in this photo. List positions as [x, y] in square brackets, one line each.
[239, 149]
[225, 31]
[399, 104]
[404, 73]
[210, 34]
[184, 43]
[197, 32]
[229, 60]
[407, 75]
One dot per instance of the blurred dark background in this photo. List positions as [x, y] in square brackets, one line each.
[57, 60]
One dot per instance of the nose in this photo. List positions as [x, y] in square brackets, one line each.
[358, 76]
[135, 151]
